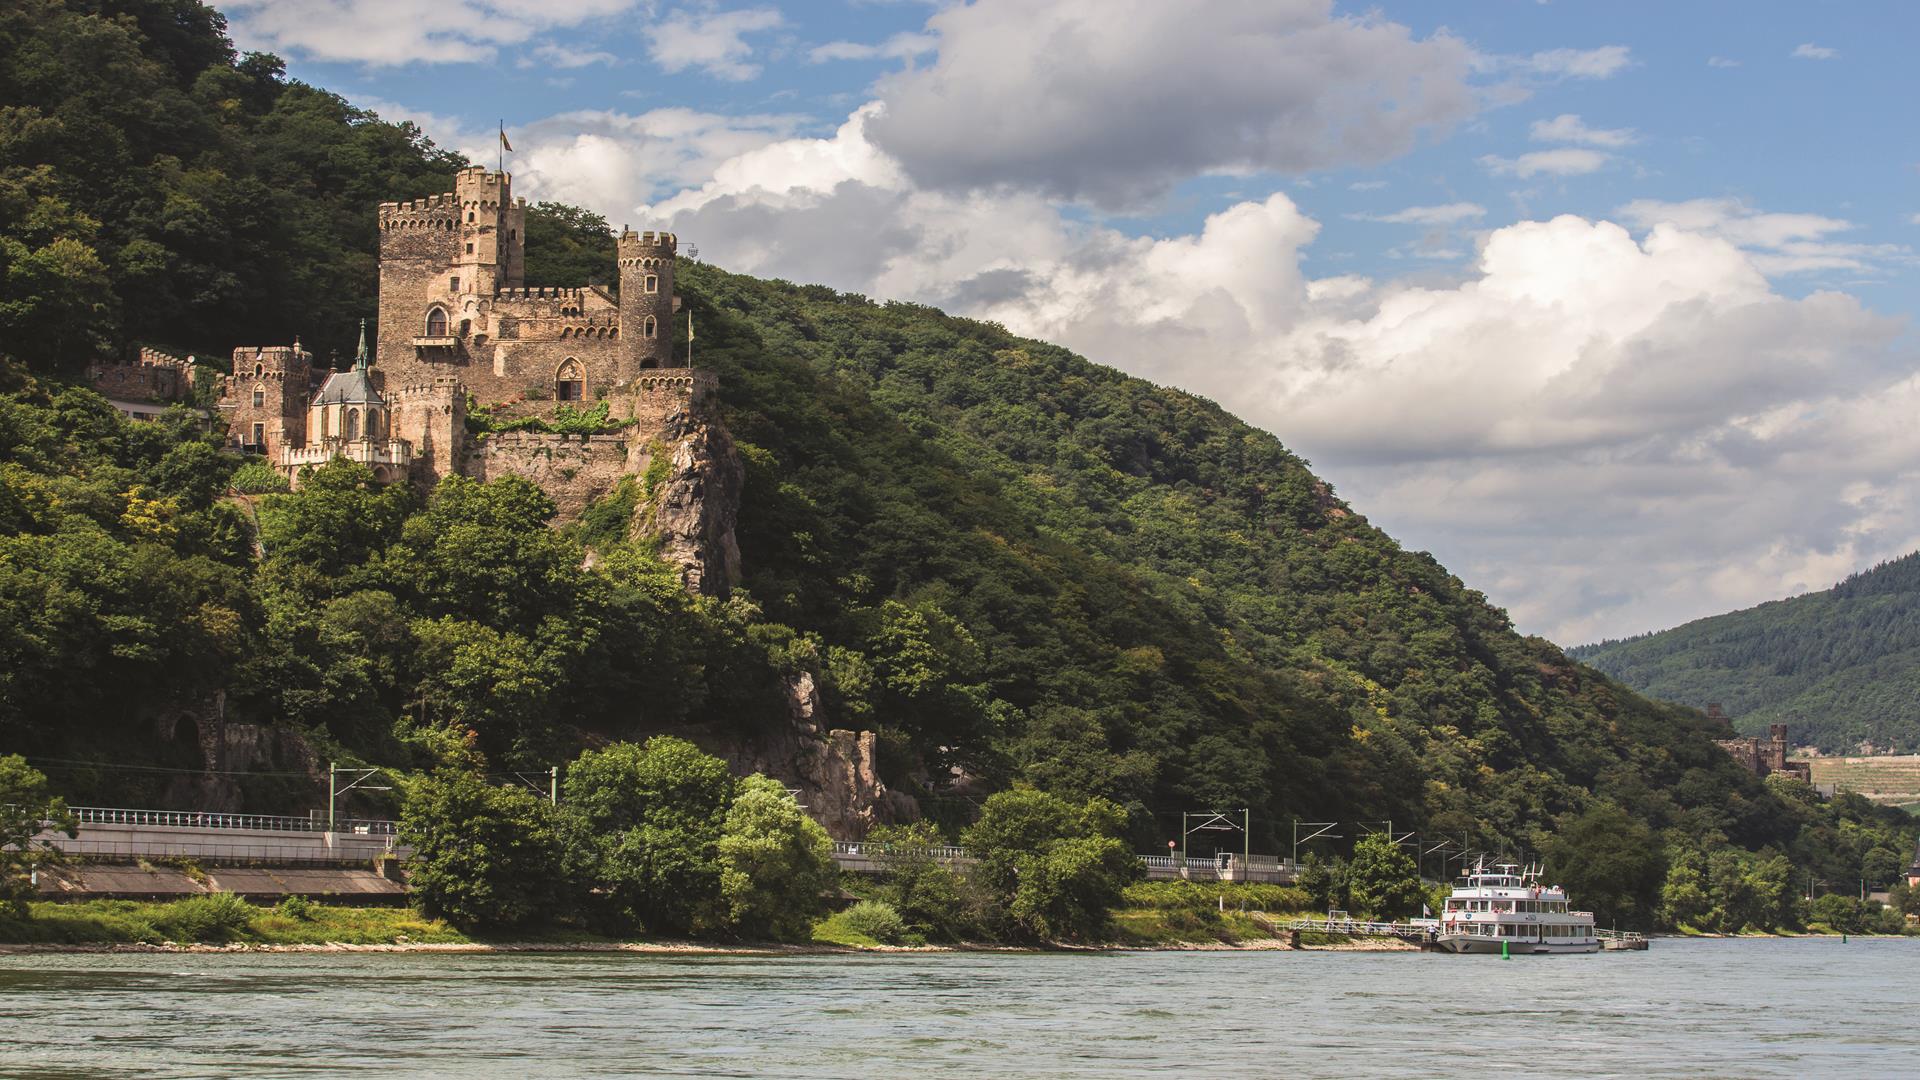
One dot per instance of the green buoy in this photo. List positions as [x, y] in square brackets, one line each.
[1504, 954]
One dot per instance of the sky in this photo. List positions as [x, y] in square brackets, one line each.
[1609, 306]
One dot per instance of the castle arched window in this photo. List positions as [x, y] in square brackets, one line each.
[649, 328]
[352, 430]
[436, 322]
[568, 383]
[653, 283]
[259, 397]
[376, 424]
[326, 422]
[469, 216]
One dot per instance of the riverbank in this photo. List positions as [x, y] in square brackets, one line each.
[212, 925]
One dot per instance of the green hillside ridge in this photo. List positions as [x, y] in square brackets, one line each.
[1840, 667]
[1013, 564]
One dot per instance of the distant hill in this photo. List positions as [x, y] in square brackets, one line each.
[1842, 667]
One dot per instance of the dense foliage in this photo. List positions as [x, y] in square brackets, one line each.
[1841, 667]
[1029, 574]
[655, 839]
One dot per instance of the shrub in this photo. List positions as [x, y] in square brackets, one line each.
[775, 862]
[1195, 895]
[259, 478]
[215, 917]
[485, 857]
[297, 908]
[875, 919]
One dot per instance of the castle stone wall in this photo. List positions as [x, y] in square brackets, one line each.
[156, 376]
[573, 470]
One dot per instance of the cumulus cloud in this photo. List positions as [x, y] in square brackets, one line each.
[902, 46]
[1115, 101]
[609, 161]
[392, 32]
[1608, 430]
[1569, 128]
[1722, 62]
[1449, 214]
[713, 41]
[1809, 51]
[1778, 243]
[1565, 162]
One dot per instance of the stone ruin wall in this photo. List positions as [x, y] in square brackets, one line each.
[154, 376]
[574, 470]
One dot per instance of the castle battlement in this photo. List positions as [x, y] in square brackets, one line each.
[634, 246]
[542, 292]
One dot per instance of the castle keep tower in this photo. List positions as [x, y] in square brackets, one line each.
[646, 298]
[492, 251]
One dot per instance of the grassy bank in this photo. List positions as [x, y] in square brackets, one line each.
[1156, 915]
[220, 919]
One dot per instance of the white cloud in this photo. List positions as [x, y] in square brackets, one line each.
[902, 46]
[1810, 51]
[608, 161]
[1565, 162]
[1722, 62]
[1569, 128]
[1115, 101]
[1449, 214]
[549, 55]
[1366, 185]
[395, 32]
[713, 41]
[1606, 433]
[1601, 63]
[1777, 243]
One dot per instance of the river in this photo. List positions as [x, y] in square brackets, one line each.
[1806, 1007]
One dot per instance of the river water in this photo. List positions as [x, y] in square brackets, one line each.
[1807, 1007]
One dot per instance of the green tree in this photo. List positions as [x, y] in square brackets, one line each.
[934, 901]
[485, 857]
[649, 821]
[1611, 865]
[776, 863]
[1382, 879]
[26, 809]
[1055, 868]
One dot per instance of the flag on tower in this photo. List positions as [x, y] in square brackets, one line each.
[504, 144]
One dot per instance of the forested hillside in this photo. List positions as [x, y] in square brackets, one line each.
[1841, 667]
[1015, 565]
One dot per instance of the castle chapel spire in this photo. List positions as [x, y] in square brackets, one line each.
[360, 355]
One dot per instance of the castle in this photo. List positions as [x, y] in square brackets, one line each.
[457, 325]
[1762, 757]
[458, 322]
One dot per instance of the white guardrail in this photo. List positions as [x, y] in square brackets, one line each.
[208, 819]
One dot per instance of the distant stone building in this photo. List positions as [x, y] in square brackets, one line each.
[146, 386]
[459, 326]
[1758, 756]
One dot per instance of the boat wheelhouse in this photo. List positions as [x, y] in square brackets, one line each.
[1505, 909]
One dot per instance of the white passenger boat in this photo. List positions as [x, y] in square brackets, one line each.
[1506, 910]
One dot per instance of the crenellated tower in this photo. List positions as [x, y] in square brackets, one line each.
[646, 299]
[267, 394]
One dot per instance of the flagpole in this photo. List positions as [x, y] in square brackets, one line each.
[500, 151]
